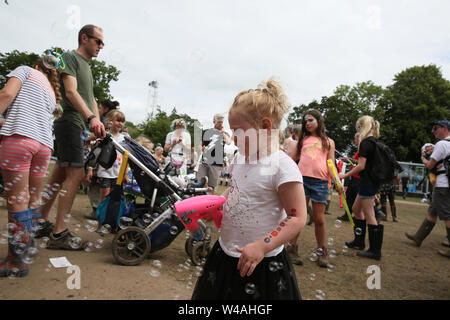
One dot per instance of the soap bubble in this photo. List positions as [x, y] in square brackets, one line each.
[105, 229]
[273, 266]
[173, 230]
[330, 267]
[312, 276]
[358, 231]
[330, 241]
[90, 228]
[125, 222]
[8, 186]
[20, 248]
[88, 246]
[250, 288]
[62, 193]
[155, 269]
[320, 295]
[332, 254]
[43, 243]
[99, 243]
[276, 211]
[337, 223]
[13, 273]
[30, 255]
[313, 257]
[12, 200]
[147, 218]
[75, 242]
[55, 187]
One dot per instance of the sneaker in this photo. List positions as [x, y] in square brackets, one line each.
[322, 260]
[65, 242]
[45, 230]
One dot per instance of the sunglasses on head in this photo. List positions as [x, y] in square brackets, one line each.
[97, 40]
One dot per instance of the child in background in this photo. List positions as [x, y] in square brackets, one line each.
[107, 177]
[314, 149]
[265, 207]
[225, 173]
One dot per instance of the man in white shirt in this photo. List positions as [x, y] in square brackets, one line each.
[440, 206]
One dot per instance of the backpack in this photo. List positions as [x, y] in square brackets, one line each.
[385, 167]
[446, 163]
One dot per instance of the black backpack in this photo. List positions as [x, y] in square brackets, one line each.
[446, 166]
[385, 167]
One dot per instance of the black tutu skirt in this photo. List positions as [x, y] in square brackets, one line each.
[273, 279]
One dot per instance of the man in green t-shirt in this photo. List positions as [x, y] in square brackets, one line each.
[80, 111]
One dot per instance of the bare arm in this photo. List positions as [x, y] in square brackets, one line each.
[70, 86]
[9, 93]
[359, 167]
[292, 196]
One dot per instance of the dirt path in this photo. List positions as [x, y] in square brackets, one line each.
[407, 272]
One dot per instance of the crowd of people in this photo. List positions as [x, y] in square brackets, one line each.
[268, 187]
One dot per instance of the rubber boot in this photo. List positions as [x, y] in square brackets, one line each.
[375, 241]
[19, 239]
[293, 254]
[360, 234]
[394, 213]
[422, 233]
[446, 252]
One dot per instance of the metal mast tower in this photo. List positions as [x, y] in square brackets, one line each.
[154, 84]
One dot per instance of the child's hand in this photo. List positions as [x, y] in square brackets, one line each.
[251, 255]
[89, 175]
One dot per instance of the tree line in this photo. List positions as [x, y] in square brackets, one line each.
[418, 96]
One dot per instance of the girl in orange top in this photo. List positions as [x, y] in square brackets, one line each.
[314, 149]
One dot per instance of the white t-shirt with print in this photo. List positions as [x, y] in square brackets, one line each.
[112, 172]
[441, 151]
[253, 208]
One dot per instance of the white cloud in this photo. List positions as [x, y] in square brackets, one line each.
[204, 52]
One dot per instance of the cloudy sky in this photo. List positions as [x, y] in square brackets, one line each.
[203, 52]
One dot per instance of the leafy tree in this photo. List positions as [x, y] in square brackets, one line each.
[418, 96]
[102, 73]
[342, 109]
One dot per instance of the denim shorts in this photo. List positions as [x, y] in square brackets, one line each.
[316, 189]
[367, 188]
[106, 182]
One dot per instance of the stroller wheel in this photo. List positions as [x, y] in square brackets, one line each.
[199, 252]
[131, 246]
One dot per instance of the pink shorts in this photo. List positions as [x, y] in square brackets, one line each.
[19, 153]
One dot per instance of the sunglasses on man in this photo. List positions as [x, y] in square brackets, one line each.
[97, 40]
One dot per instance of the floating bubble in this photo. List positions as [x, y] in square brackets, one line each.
[157, 264]
[48, 268]
[344, 250]
[55, 187]
[313, 257]
[320, 251]
[90, 228]
[276, 211]
[99, 243]
[332, 254]
[250, 288]
[85, 135]
[125, 222]
[8, 186]
[30, 255]
[12, 200]
[43, 243]
[88, 246]
[273, 266]
[75, 242]
[173, 230]
[320, 295]
[13, 273]
[3, 240]
[358, 231]
[330, 267]
[20, 248]
[312, 276]
[105, 229]
[337, 223]
[33, 190]
[147, 218]
[330, 241]
[62, 193]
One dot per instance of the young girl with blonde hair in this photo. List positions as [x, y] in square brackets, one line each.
[363, 208]
[265, 206]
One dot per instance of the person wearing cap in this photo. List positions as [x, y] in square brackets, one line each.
[440, 206]
[178, 143]
[213, 144]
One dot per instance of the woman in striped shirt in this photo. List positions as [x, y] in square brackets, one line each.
[30, 97]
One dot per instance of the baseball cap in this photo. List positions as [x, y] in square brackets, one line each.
[442, 123]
